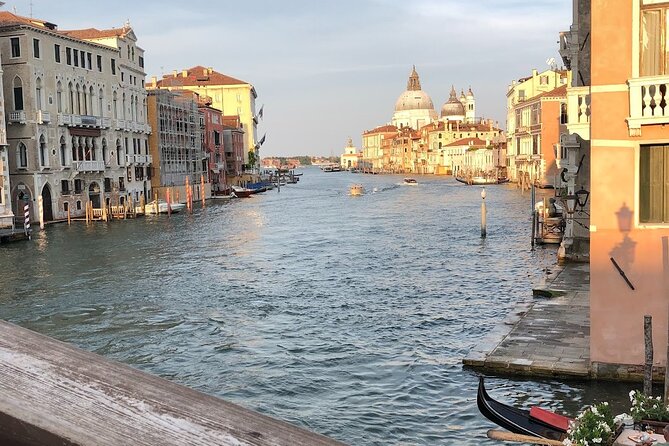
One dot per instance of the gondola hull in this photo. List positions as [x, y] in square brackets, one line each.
[513, 419]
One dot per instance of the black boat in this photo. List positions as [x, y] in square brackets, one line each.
[537, 422]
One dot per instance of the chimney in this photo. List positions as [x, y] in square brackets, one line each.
[184, 73]
[210, 70]
[534, 72]
[154, 81]
[174, 73]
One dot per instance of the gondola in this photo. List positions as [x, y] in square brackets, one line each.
[536, 422]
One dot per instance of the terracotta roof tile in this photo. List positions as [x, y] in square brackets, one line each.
[198, 75]
[7, 18]
[382, 129]
[473, 142]
[94, 33]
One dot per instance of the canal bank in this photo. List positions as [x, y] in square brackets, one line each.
[548, 336]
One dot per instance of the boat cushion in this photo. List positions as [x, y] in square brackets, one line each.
[551, 418]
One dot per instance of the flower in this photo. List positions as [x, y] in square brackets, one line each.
[647, 407]
[593, 426]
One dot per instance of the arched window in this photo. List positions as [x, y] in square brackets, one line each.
[43, 152]
[144, 113]
[132, 107]
[77, 103]
[123, 115]
[118, 152]
[136, 109]
[105, 155]
[115, 105]
[38, 93]
[22, 155]
[63, 152]
[94, 149]
[59, 97]
[18, 93]
[101, 108]
[75, 157]
[90, 101]
[70, 90]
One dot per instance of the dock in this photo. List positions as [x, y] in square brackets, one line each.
[547, 337]
[56, 394]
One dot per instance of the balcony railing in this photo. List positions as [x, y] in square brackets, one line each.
[648, 102]
[88, 166]
[43, 117]
[105, 122]
[3, 137]
[17, 116]
[69, 120]
[578, 111]
[139, 159]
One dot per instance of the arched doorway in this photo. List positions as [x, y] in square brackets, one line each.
[94, 195]
[47, 205]
[21, 195]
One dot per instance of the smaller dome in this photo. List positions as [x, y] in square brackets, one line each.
[453, 107]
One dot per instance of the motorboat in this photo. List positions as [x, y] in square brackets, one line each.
[241, 192]
[481, 181]
[356, 190]
[410, 182]
[162, 207]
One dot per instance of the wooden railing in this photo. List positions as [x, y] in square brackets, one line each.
[56, 394]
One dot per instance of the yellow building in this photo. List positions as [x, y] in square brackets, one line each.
[232, 96]
[372, 147]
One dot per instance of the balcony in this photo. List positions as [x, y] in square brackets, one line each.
[578, 111]
[648, 102]
[105, 123]
[78, 120]
[119, 124]
[88, 166]
[17, 117]
[43, 117]
[139, 159]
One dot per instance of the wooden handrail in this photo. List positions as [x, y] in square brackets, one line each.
[53, 393]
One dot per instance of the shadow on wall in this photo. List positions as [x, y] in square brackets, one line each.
[623, 254]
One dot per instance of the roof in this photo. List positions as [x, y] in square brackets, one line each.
[94, 33]
[474, 142]
[383, 129]
[559, 92]
[7, 18]
[198, 75]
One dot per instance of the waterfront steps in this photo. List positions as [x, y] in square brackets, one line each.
[54, 394]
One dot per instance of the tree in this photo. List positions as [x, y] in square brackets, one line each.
[252, 158]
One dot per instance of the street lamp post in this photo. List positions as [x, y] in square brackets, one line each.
[483, 214]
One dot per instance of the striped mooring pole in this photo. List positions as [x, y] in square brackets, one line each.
[26, 215]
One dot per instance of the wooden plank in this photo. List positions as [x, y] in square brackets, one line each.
[53, 393]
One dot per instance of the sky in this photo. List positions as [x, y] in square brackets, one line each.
[327, 70]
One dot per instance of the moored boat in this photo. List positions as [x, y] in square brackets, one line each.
[536, 422]
[480, 181]
[410, 182]
[150, 207]
[241, 192]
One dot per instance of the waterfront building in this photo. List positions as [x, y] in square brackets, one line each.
[233, 144]
[66, 86]
[413, 108]
[6, 214]
[232, 96]
[212, 141]
[629, 215]
[372, 148]
[519, 92]
[176, 144]
[351, 157]
[539, 121]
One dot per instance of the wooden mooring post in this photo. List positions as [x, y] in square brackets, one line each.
[648, 344]
[56, 394]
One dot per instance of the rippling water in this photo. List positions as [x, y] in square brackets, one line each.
[349, 316]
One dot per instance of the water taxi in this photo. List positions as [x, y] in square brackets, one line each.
[410, 181]
[355, 190]
[161, 207]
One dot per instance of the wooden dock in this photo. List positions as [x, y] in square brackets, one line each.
[54, 394]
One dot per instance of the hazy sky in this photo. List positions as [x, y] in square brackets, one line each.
[329, 69]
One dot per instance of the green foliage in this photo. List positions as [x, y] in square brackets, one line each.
[252, 158]
[646, 407]
[594, 426]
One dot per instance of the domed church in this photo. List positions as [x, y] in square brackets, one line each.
[414, 108]
[463, 109]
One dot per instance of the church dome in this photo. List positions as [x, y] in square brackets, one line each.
[453, 107]
[414, 98]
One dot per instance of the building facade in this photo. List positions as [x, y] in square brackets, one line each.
[351, 156]
[6, 214]
[66, 142]
[176, 145]
[232, 96]
[212, 140]
[233, 143]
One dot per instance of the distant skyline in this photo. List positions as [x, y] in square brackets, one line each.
[329, 70]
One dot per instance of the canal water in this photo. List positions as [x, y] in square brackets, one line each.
[346, 315]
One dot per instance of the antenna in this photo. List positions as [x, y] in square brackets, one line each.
[31, 9]
[550, 62]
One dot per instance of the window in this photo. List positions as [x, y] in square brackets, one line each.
[63, 152]
[38, 93]
[108, 184]
[654, 58]
[68, 55]
[36, 48]
[89, 60]
[563, 113]
[83, 59]
[99, 62]
[16, 46]
[122, 76]
[75, 54]
[18, 93]
[65, 187]
[56, 53]
[59, 97]
[22, 155]
[43, 152]
[141, 61]
[66, 207]
[78, 186]
[113, 66]
[654, 184]
[121, 184]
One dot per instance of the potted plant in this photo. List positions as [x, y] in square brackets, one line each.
[648, 411]
[593, 427]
